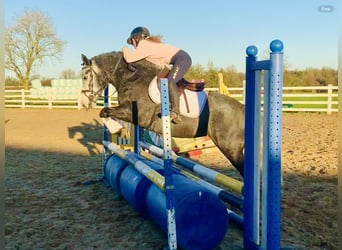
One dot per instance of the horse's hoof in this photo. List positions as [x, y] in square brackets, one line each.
[104, 113]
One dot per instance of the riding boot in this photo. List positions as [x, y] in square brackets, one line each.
[174, 101]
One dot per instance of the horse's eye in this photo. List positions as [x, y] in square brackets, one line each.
[85, 77]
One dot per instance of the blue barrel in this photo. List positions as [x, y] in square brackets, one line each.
[201, 217]
[128, 182]
[113, 168]
[134, 186]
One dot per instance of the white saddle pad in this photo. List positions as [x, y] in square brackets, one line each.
[195, 101]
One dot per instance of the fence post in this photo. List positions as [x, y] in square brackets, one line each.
[329, 103]
[22, 98]
[262, 216]
[49, 98]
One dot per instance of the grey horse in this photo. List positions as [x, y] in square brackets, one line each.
[222, 117]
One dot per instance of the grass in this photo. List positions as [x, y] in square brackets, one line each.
[287, 102]
[313, 99]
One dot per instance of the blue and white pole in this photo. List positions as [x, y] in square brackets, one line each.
[169, 188]
[272, 151]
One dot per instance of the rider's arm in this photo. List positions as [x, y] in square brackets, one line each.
[139, 53]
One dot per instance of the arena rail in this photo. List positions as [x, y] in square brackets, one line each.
[300, 98]
[295, 99]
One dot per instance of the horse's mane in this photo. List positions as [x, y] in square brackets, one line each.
[110, 58]
[124, 73]
[107, 60]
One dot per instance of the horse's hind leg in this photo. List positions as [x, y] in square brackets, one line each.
[236, 157]
[226, 127]
[237, 160]
[232, 149]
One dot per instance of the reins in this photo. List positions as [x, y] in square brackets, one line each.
[89, 93]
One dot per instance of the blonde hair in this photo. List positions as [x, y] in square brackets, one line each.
[155, 39]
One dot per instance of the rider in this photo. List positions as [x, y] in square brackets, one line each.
[152, 49]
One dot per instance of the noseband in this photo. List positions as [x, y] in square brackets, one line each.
[89, 93]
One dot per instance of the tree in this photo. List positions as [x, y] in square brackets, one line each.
[211, 76]
[232, 78]
[68, 74]
[12, 82]
[29, 42]
[196, 72]
[330, 76]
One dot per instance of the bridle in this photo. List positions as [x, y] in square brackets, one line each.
[90, 93]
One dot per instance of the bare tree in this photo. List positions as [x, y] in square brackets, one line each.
[31, 40]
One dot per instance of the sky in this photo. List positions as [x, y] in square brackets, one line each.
[211, 31]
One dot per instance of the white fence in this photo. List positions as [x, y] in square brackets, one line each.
[312, 99]
[295, 99]
[24, 99]
[298, 99]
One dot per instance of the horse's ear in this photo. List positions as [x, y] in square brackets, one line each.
[85, 60]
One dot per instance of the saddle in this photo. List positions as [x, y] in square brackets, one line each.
[192, 86]
[184, 84]
[192, 96]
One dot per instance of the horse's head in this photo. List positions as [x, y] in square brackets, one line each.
[93, 82]
[106, 68]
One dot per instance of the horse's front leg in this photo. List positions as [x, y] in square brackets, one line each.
[115, 127]
[118, 112]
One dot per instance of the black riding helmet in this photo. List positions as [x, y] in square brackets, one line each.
[137, 34]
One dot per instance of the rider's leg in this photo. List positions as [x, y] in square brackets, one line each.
[181, 63]
[173, 95]
[174, 101]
